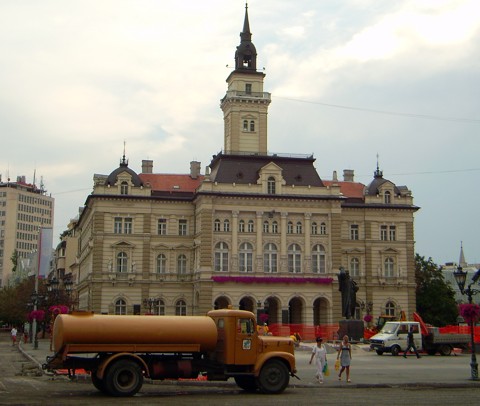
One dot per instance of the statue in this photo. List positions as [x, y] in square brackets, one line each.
[349, 289]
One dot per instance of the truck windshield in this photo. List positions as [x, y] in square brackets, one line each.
[389, 328]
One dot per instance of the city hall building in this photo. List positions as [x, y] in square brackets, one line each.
[256, 231]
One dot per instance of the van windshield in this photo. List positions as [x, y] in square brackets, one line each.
[389, 328]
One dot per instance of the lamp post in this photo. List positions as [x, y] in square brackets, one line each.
[460, 278]
[35, 298]
[150, 304]
[68, 285]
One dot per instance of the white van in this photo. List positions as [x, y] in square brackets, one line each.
[393, 337]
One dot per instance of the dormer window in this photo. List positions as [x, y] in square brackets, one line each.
[387, 197]
[124, 188]
[271, 185]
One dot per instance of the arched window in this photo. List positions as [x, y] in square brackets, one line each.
[221, 257]
[121, 307]
[250, 226]
[216, 225]
[245, 257]
[318, 259]
[271, 185]
[299, 227]
[289, 227]
[266, 226]
[274, 227]
[241, 226]
[182, 264]
[387, 197]
[294, 258]
[245, 125]
[323, 229]
[161, 263]
[252, 125]
[122, 262]
[390, 309]
[355, 267]
[124, 188]
[181, 308]
[389, 267]
[161, 308]
[314, 228]
[270, 258]
[226, 225]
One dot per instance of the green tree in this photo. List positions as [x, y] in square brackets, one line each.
[435, 297]
[13, 302]
[14, 259]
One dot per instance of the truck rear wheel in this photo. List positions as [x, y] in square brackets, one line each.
[97, 382]
[273, 377]
[247, 383]
[445, 350]
[123, 378]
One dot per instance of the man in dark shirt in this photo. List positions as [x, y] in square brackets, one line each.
[411, 344]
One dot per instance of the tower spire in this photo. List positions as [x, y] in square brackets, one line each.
[461, 261]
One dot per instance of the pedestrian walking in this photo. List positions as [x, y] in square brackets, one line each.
[320, 354]
[345, 356]
[411, 344]
[13, 334]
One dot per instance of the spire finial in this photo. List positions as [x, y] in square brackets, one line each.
[462, 261]
[378, 173]
[124, 160]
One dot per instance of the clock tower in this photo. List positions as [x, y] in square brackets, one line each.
[245, 105]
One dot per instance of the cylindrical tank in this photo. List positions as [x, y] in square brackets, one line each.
[87, 328]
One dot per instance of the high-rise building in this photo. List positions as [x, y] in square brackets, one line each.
[258, 231]
[25, 210]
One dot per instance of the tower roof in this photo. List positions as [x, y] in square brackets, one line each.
[246, 54]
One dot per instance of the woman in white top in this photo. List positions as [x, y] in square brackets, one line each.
[320, 354]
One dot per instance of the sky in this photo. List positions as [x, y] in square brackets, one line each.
[350, 80]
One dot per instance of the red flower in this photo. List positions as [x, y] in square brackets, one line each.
[368, 318]
[469, 312]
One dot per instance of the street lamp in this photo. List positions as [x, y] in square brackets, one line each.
[460, 278]
[52, 287]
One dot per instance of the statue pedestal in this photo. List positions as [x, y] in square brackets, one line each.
[352, 328]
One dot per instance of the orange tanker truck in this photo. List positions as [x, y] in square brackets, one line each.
[120, 351]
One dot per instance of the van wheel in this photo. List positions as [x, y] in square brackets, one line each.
[247, 383]
[395, 350]
[445, 350]
[123, 378]
[379, 352]
[273, 377]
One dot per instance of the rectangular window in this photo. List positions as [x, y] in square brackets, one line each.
[128, 225]
[354, 232]
[248, 88]
[182, 227]
[383, 233]
[117, 225]
[162, 226]
[393, 233]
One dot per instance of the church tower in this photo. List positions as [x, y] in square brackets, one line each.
[245, 105]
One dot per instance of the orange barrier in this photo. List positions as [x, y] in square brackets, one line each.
[306, 332]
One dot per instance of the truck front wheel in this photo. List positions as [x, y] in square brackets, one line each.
[379, 352]
[247, 383]
[123, 378]
[273, 377]
[395, 350]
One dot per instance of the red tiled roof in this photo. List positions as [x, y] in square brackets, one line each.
[170, 182]
[349, 189]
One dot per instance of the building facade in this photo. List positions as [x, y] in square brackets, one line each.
[257, 231]
[24, 210]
